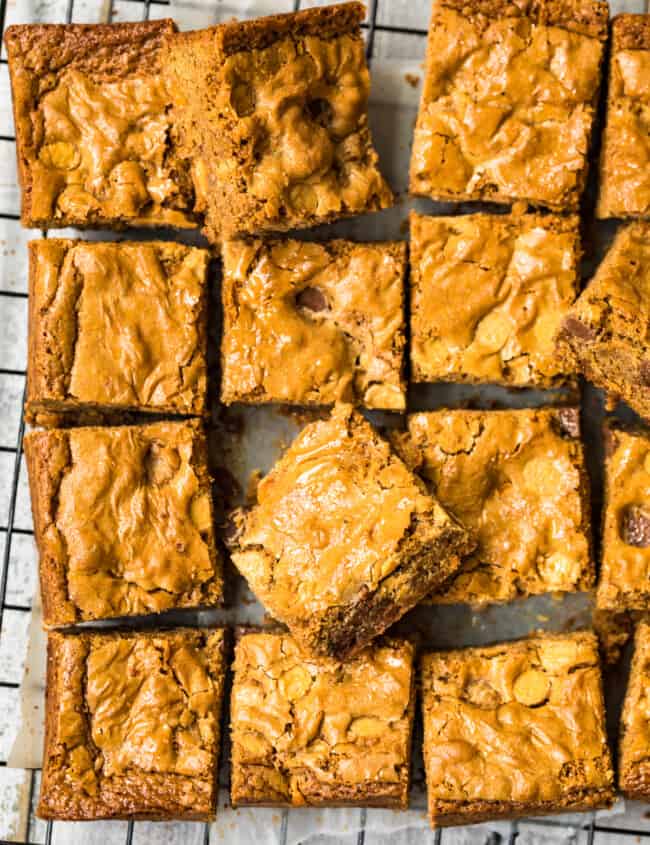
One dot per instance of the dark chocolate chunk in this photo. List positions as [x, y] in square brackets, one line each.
[312, 299]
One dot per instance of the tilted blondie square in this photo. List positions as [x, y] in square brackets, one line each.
[313, 731]
[132, 725]
[515, 729]
[123, 520]
[344, 539]
[95, 141]
[313, 323]
[517, 481]
[273, 113]
[488, 294]
[624, 189]
[509, 100]
[605, 334]
[634, 744]
[625, 556]
[116, 328]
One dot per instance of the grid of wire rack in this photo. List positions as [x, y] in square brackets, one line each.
[589, 827]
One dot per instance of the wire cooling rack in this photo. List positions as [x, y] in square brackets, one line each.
[587, 831]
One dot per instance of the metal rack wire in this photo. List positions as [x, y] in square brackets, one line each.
[589, 827]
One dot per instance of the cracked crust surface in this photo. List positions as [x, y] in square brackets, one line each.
[488, 293]
[123, 521]
[517, 481]
[624, 186]
[344, 539]
[634, 749]
[515, 729]
[313, 323]
[274, 114]
[313, 731]
[509, 100]
[605, 334]
[116, 328]
[95, 142]
[625, 564]
[132, 725]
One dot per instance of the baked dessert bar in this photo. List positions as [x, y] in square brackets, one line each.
[313, 323]
[313, 731]
[488, 293]
[123, 520]
[116, 328]
[633, 766]
[625, 158]
[343, 539]
[509, 101]
[517, 481]
[95, 141]
[605, 334]
[625, 565]
[514, 730]
[274, 114]
[132, 725]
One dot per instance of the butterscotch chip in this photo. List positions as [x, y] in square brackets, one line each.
[343, 539]
[96, 144]
[311, 323]
[538, 747]
[313, 731]
[625, 158]
[123, 521]
[274, 116]
[488, 294]
[509, 99]
[132, 725]
[634, 747]
[116, 328]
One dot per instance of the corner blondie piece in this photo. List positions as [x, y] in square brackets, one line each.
[96, 144]
[625, 565]
[313, 731]
[274, 114]
[312, 323]
[625, 157]
[514, 730]
[517, 481]
[132, 725]
[634, 748]
[488, 293]
[344, 539]
[605, 334]
[122, 520]
[116, 328]
[509, 100]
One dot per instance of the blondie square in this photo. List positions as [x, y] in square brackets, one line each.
[605, 333]
[634, 748]
[625, 156]
[116, 328]
[517, 481]
[132, 725]
[313, 323]
[96, 145]
[488, 293]
[515, 729]
[313, 731]
[343, 539]
[509, 100]
[625, 565]
[122, 520]
[273, 113]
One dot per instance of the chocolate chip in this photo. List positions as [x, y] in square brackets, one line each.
[313, 299]
[574, 327]
[569, 422]
[635, 526]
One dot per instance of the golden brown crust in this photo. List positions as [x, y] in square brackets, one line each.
[96, 764]
[630, 32]
[515, 729]
[634, 739]
[150, 543]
